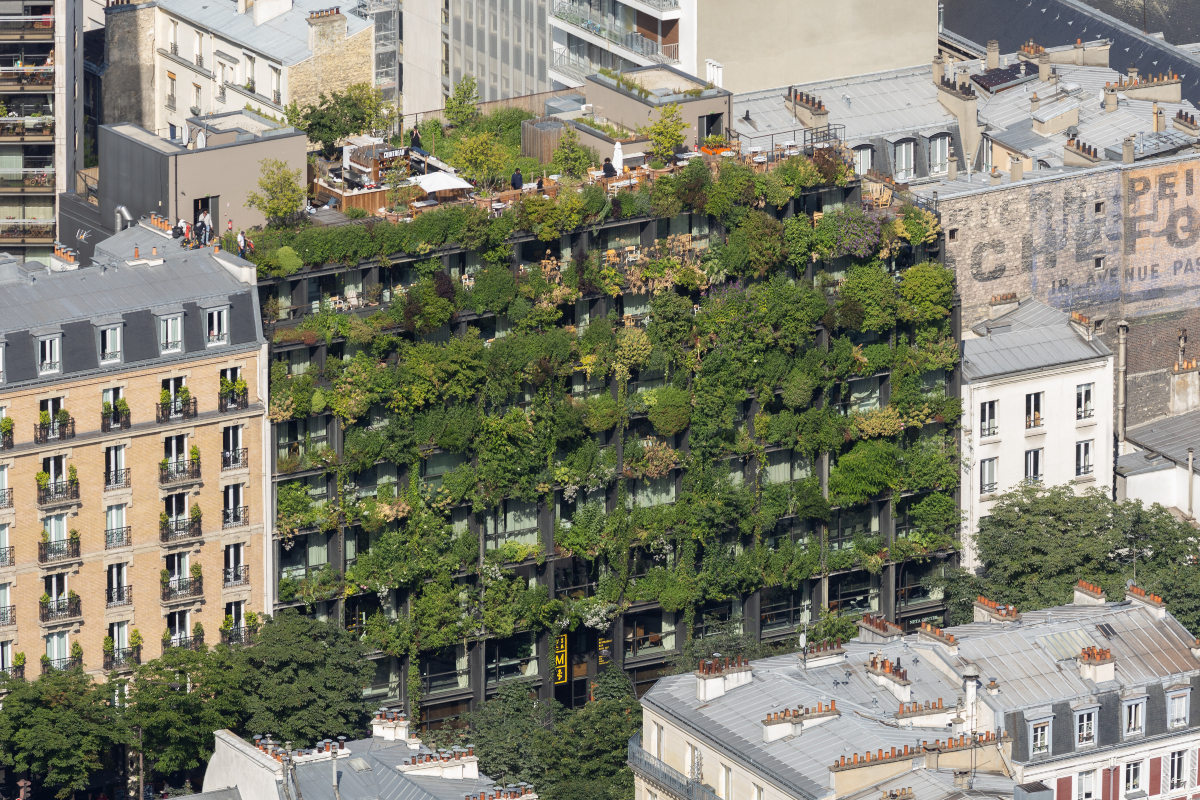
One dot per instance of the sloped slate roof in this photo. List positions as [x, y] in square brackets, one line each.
[1033, 336]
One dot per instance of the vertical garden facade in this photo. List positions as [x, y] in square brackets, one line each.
[590, 430]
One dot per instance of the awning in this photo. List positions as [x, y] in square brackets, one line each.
[440, 182]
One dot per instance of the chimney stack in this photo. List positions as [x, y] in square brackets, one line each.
[1127, 150]
[1034, 103]
[1133, 72]
[993, 54]
[994, 177]
[952, 168]
[1044, 73]
[1016, 170]
[939, 69]
[1110, 98]
[1155, 124]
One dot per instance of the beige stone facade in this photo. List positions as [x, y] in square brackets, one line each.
[143, 494]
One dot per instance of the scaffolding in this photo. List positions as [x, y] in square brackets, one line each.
[385, 15]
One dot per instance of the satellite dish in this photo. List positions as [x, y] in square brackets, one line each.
[187, 134]
[201, 140]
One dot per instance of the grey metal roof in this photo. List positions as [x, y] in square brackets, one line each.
[1025, 658]
[231, 793]
[900, 100]
[383, 781]
[1171, 436]
[1142, 462]
[283, 39]
[85, 294]
[1033, 336]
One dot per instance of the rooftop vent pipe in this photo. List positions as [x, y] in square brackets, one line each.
[122, 216]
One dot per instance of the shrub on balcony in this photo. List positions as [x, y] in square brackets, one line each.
[43, 483]
[198, 632]
[166, 637]
[44, 418]
[122, 407]
[6, 426]
[19, 659]
[63, 417]
[195, 513]
[135, 638]
[195, 571]
[107, 646]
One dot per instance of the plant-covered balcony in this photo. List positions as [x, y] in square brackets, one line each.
[59, 609]
[115, 416]
[173, 529]
[233, 395]
[54, 428]
[179, 408]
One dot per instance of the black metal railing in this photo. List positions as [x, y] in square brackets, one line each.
[53, 610]
[237, 576]
[7, 556]
[63, 664]
[116, 479]
[987, 488]
[6, 498]
[117, 537]
[176, 529]
[233, 401]
[6, 440]
[452, 681]
[58, 492]
[115, 422]
[16, 672]
[8, 615]
[56, 431]
[185, 642]
[183, 471]
[175, 410]
[123, 658]
[666, 778]
[239, 635]
[234, 459]
[120, 595]
[180, 588]
[62, 550]
[235, 517]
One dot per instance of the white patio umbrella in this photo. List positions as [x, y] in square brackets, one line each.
[618, 159]
[440, 182]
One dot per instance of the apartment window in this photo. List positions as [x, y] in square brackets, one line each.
[864, 160]
[1100, 207]
[939, 155]
[49, 355]
[1134, 714]
[1099, 262]
[177, 624]
[952, 234]
[114, 467]
[1178, 770]
[1177, 710]
[985, 145]
[1033, 465]
[199, 49]
[1083, 401]
[196, 95]
[904, 161]
[249, 72]
[6, 654]
[695, 770]
[1085, 728]
[1041, 738]
[658, 741]
[987, 418]
[758, 792]
[1083, 458]
[1085, 785]
[170, 334]
[987, 475]
[115, 534]
[234, 513]
[110, 345]
[235, 568]
[1033, 410]
[171, 95]
[56, 647]
[118, 595]
[726, 784]
[218, 326]
[1133, 776]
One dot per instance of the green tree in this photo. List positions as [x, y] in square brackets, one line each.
[506, 733]
[1039, 541]
[281, 191]
[179, 699]
[665, 133]
[460, 106]
[480, 157]
[304, 679]
[335, 116]
[588, 746]
[59, 729]
[571, 157]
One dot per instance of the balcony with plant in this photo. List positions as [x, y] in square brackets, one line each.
[51, 428]
[115, 416]
[122, 659]
[60, 609]
[175, 409]
[181, 640]
[180, 528]
[233, 395]
[181, 588]
[50, 552]
[176, 472]
[240, 634]
[6, 432]
[57, 492]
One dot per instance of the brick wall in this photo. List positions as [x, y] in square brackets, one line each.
[337, 61]
[1119, 242]
[87, 576]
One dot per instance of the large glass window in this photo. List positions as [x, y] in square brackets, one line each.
[782, 609]
[444, 670]
[649, 632]
[987, 418]
[1083, 458]
[514, 657]
[1083, 401]
[1033, 465]
[904, 161]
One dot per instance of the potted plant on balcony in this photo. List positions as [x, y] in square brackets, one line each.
[164, 397]
[195, 572]
[164, 578]
[162, 466]
[251, 621]
[73, 535]
[122, 408]
[44, 419]
[194, 453]
[19, 659]
[72, 597]
[45, 662]
[184, 395]
[44, 599]
[77, 653]
[43, 480]
[163, 519]
[166, 638]
[108, 646]
[197, 632]
[63, 417]
[227, 625]
[135, 638]
[72, 476]
[6, 427]
[195, 512]
[106, 411]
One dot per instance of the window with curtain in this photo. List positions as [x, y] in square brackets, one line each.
[654, 491]
[939, 155]
[864, 394]
[904, 161]
[318, 550]
[864, 160]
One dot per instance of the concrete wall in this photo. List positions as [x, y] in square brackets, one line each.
[423, 56]
[629, 110]
[130, 89]
[778, 42]
[1041, 238]
[337, 61]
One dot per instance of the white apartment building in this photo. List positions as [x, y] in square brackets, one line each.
[1037, 406]
[1090, 701]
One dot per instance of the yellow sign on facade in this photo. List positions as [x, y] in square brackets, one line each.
[560, 659]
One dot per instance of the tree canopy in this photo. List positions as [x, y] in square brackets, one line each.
[1039, 541]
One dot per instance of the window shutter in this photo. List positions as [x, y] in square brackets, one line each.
[1156, 776]
[1064, 789]
[1106, 786]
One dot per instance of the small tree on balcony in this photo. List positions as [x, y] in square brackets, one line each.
[280, 191]
[460, 106]
[122, 407]
[135, 638]
[665, 133]
[63, 417]
[198, 632]
[6, 426]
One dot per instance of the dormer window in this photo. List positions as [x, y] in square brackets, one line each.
[170, 334]
[1177, 709]
[218, 326]
[939, 155]
[110, 345]
[904, 161]
[863, 159]
[50, 355]
[1040, 741]
[1135, 713]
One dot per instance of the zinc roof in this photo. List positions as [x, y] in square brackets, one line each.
[1171, 436]
[1034, 336]
[383, 781]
